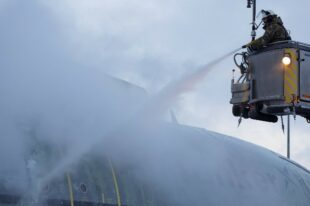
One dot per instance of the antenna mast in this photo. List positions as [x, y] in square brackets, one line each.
[252, 4]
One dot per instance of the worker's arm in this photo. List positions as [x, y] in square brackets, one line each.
[264, 40]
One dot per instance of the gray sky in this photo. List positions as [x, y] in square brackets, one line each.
[151, 43]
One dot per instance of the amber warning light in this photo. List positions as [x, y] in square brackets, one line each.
[286, 60]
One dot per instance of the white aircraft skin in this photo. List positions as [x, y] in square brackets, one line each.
[193, 166]
[186, 165]
[224, 170]
[180, 165]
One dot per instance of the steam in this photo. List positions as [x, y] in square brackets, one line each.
[54, 112]
[50, 100]
[169, 94]
[153, 110]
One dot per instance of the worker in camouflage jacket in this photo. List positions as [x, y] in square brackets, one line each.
[274, 31]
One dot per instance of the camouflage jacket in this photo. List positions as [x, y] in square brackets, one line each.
[274, 31]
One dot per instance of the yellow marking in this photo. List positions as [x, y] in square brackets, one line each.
[291, 77]
[288, 94]
[294, 65]
[294, 56]
[103, 199]
[290, 82]
[292, 52]
[70, 190]
[115, 184]
[288, 90]
[291, 72]
[288, 99]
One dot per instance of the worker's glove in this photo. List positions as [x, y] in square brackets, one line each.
[247, 45]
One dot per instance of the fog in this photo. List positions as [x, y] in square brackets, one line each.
[49, 98]
[46, 96]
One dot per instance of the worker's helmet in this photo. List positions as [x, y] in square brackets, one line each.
[266, 15]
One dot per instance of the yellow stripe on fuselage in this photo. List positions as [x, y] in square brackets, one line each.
[70, 190]
[115, 184]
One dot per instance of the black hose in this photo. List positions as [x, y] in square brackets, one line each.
[244, 64]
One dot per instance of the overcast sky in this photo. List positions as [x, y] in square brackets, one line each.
[150, 43]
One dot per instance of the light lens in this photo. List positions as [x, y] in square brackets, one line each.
[286, 60]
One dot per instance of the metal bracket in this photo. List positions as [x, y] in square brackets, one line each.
[282, 124]
[294, 98]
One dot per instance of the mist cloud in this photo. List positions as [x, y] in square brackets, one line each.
[54, 88]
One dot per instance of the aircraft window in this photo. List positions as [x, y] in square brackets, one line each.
[83, 188]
